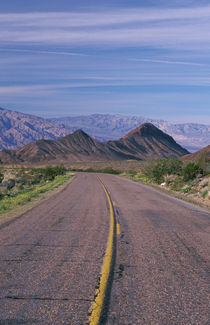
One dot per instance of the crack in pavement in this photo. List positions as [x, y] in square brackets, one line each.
[43, 298]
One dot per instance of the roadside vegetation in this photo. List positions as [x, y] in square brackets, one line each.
[19, 186]
[189, 179]
[108, 170]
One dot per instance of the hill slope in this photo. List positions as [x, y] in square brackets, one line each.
[145, 142]
[106, 127]
[196, 155]
[18, 129]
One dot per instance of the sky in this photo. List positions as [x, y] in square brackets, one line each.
[63, 58]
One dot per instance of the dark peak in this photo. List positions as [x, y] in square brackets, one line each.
[78, 133]
[145, 129]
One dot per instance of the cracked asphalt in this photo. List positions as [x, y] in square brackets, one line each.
[51, 257]
[163, 254]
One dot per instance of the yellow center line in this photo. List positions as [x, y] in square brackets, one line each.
[118, 229]
[118, 224]
[97, 305]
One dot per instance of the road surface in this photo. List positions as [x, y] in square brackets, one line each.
[51, 257]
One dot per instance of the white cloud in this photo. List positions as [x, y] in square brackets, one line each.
[168, 62]
[116, 17]
[184, 27]
[144, 80]
[41, 52]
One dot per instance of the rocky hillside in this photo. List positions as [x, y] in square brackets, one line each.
[198, 154]
[144, 143]
[18, 129]
[106, 127]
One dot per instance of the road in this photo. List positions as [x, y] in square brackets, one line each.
[51, 257]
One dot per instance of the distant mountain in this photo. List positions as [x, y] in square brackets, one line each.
[196, 155]
[18, 129]
[144, 143]
[106, 127]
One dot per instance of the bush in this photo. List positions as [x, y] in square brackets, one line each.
[110, 170]
[173, 167]
[158, 172]
[204, 194]
[191, 171]
[148, 169]
[185, 189]
[51, 172]
[203, 162]
[1, 177]
[166, 167]
[132, 172]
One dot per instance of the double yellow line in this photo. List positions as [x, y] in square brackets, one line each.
[101, 291]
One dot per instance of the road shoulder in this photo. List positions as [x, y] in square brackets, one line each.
[8, 217]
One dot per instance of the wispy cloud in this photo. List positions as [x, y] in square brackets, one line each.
[103, 18]
[169, 62]
[41, 52]
[105, 60]
[144, 80]
[184, 27]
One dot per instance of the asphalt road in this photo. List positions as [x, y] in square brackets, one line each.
[51, 257]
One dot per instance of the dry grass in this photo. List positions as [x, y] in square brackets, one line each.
[122, 166]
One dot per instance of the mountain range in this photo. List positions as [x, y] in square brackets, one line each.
[146, 142]
[18, 129]
[104, 127]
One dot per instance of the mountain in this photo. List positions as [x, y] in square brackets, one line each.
[106, 127]
[18, 129]
[196, 155]
[144, 143]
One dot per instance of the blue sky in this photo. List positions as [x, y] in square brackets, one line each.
[149, 58]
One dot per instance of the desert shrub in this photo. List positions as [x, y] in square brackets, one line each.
[60, 170]
[173, 167]
[51, 172]
[1, 177]
[110, 170]
[177, 184]
[185, 189]
[11, 184]
[148, 169]
[204, 163]
[90, 170]
[204, 194]
[191, 171]
[132, 172]
[162, 168]
[158, 172]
